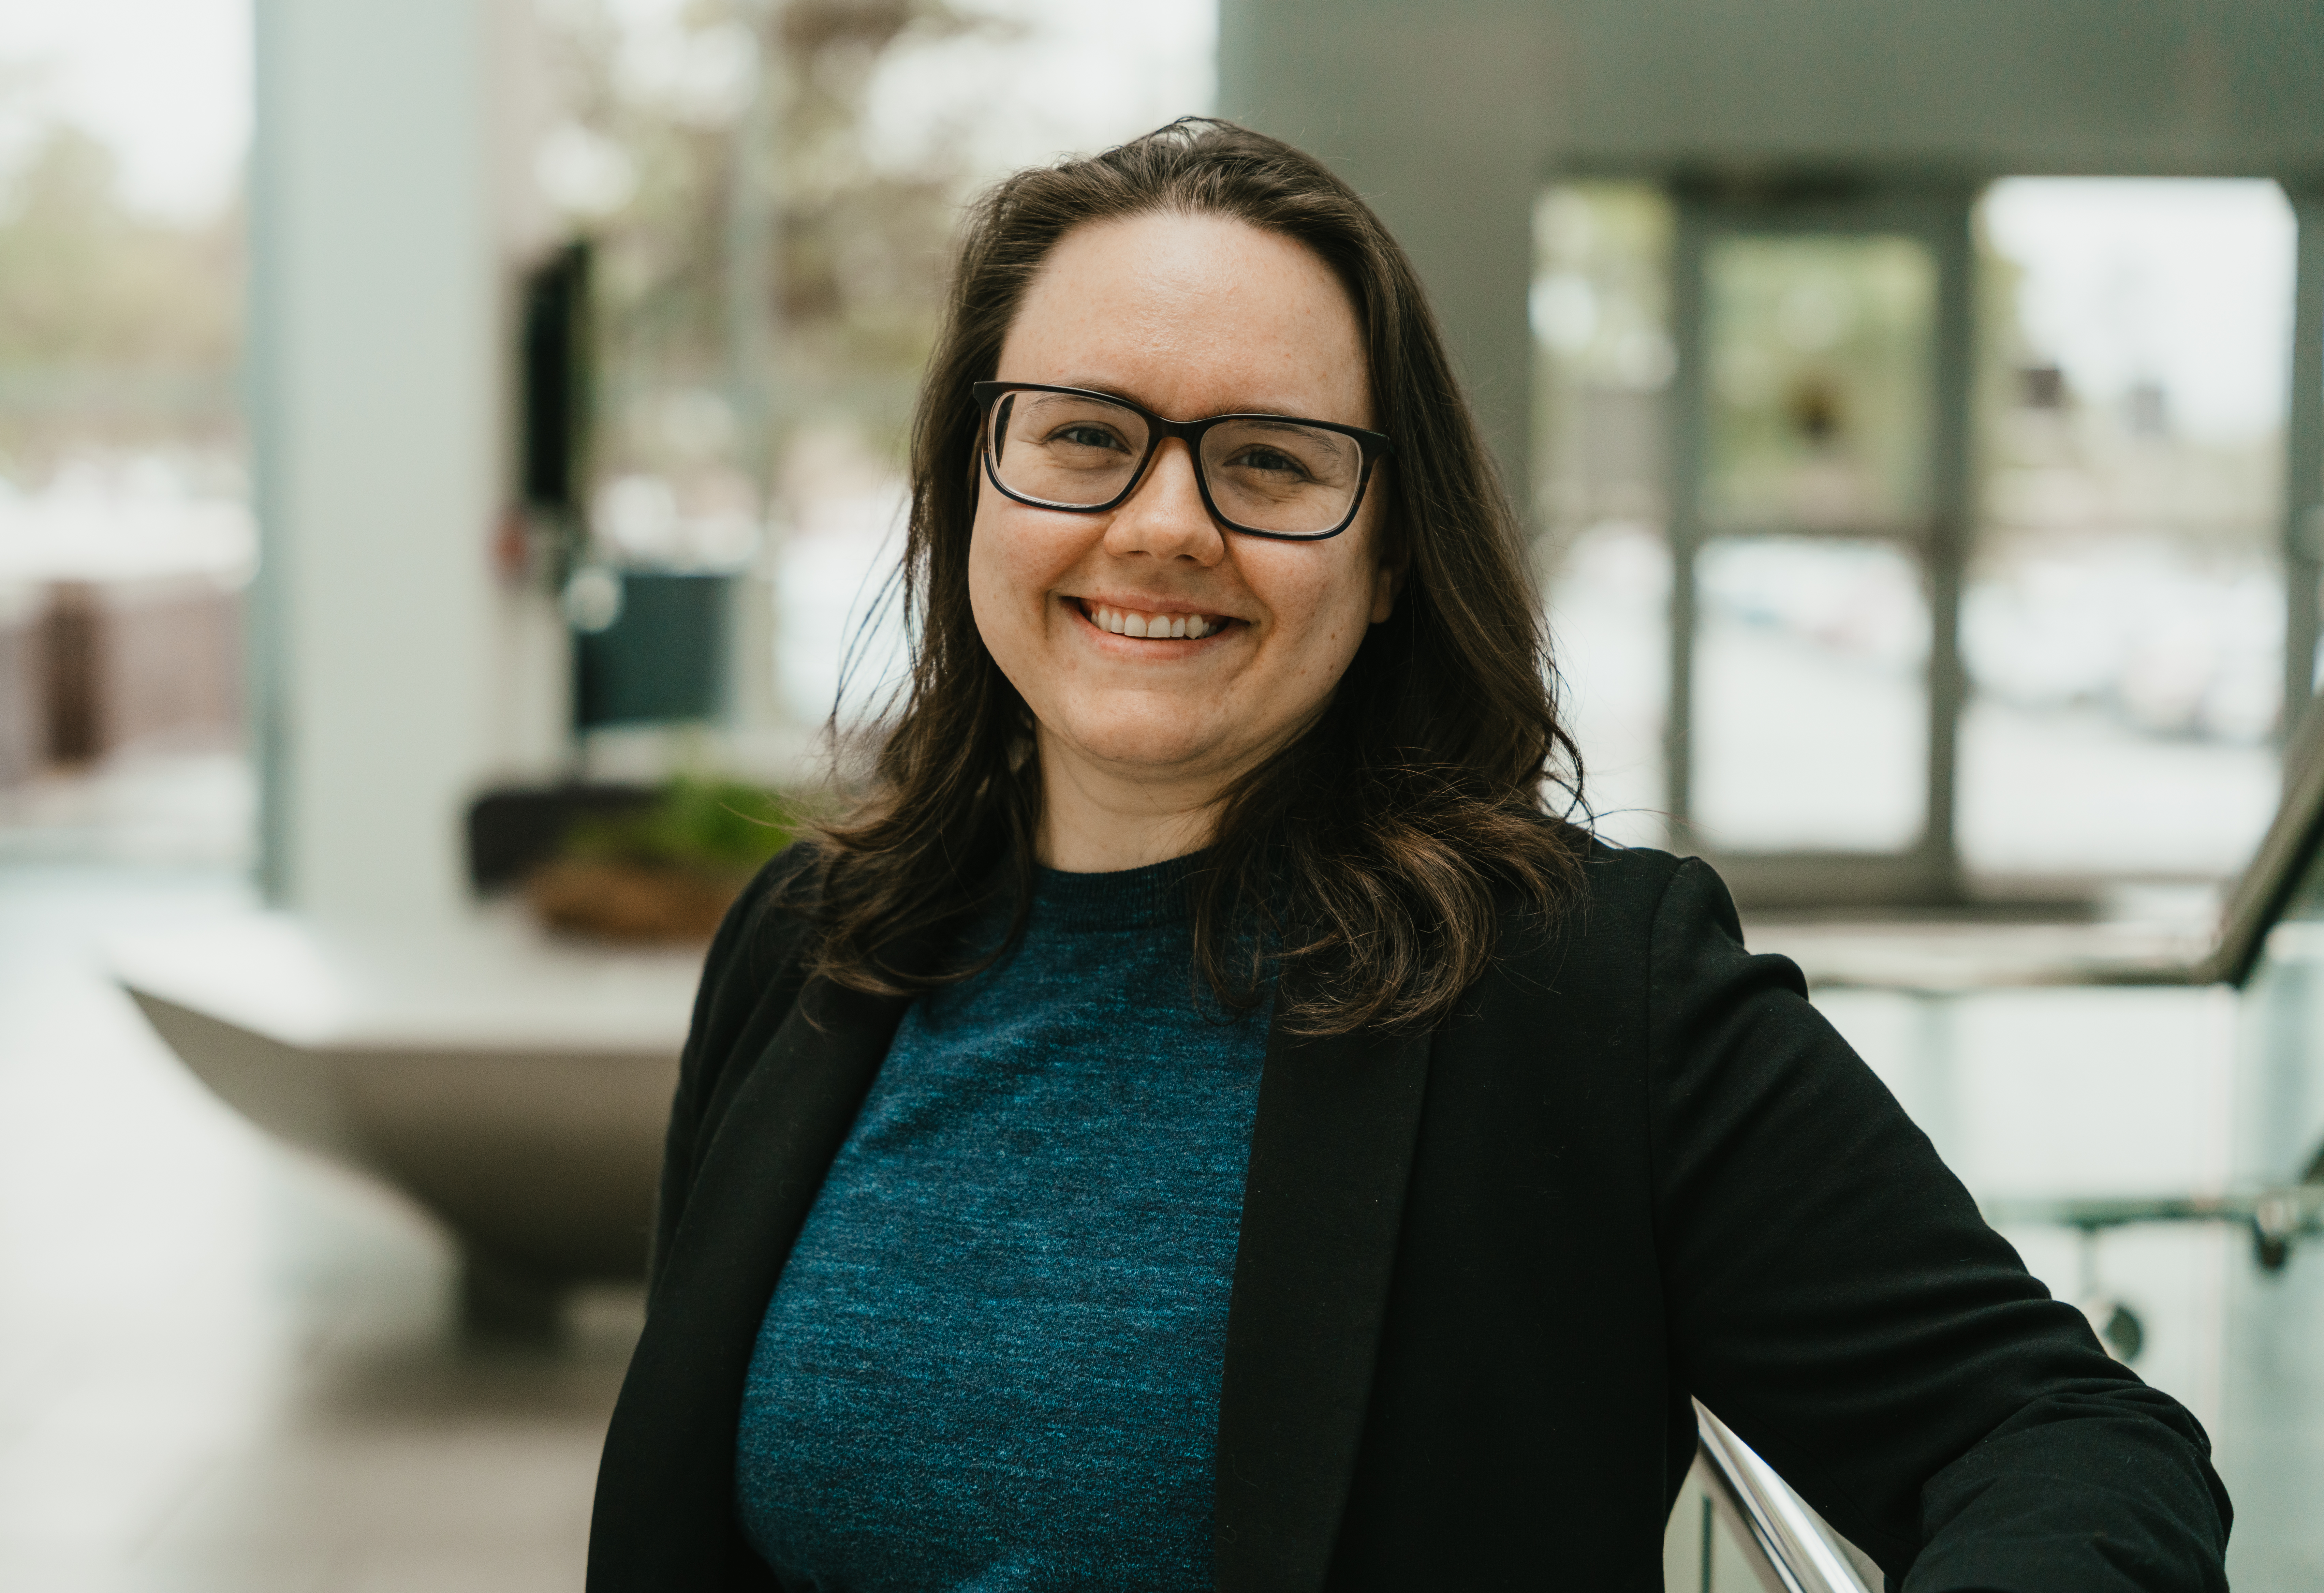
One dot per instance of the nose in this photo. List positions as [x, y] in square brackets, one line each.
[1165, 518]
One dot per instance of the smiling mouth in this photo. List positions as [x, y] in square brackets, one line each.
[1153, 627]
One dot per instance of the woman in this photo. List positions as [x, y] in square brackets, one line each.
[1200, 1123]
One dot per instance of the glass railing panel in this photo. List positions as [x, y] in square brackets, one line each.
[1703, 1548]
[2269, 1430]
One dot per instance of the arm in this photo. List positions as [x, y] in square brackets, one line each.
[1834, 1296]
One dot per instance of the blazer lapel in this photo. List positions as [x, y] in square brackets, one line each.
[1323, 1203]
[672, 1437]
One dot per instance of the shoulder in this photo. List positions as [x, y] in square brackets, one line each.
[1617, 897]
[760, 946]
[1627, 879]
[1672, 900]
[769, 919]
[1636, 920]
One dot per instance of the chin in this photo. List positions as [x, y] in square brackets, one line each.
[1135, 735]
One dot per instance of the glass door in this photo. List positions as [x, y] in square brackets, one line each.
[1818, 511]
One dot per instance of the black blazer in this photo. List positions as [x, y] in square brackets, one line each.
[1481, 1270]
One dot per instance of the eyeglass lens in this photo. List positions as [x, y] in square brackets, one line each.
[1264, 474]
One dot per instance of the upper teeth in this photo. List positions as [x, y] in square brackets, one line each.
[1131, 622]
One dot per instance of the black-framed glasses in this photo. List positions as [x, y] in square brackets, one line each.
[1267, 475]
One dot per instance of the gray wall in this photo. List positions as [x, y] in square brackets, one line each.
[1975, 86]
[1437, 116]
[1447, 116]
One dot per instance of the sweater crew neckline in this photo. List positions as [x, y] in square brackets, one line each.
[1142, 898]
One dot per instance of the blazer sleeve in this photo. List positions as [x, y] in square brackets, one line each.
[1835, 1297]
[751, 958]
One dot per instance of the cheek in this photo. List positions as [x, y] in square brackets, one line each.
[1002, 570]
[987, 579]
[1322, 609]
[1013, 562]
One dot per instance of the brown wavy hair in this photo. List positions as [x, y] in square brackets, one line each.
[1372, 854]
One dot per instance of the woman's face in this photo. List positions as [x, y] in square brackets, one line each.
[1190, 316]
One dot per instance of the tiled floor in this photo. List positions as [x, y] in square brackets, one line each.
[223, 1366]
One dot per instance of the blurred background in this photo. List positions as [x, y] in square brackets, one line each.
[451, 454]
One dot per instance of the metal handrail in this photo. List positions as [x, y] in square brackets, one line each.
[1788, 1544]
[2265, 886]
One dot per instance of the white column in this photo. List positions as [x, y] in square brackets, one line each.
[388, 655]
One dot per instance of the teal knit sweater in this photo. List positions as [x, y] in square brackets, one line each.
[993, 1360]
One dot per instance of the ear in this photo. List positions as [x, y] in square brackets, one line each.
[1387, 581]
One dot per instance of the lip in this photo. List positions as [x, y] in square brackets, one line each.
[1087, 600]
[1085, 607]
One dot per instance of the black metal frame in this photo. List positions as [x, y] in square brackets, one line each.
[1375, 445]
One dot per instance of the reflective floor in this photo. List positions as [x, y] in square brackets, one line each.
[224, 1367]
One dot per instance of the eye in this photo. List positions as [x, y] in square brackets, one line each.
[1086, 434]
[1274, 461]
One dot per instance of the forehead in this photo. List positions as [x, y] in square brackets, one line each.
[1193, 315]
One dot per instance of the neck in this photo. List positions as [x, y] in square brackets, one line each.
[1099, 820]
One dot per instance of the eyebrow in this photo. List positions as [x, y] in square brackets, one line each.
[1107, 388]
[1110, 390]
[1039, 401]
[1273, 422]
